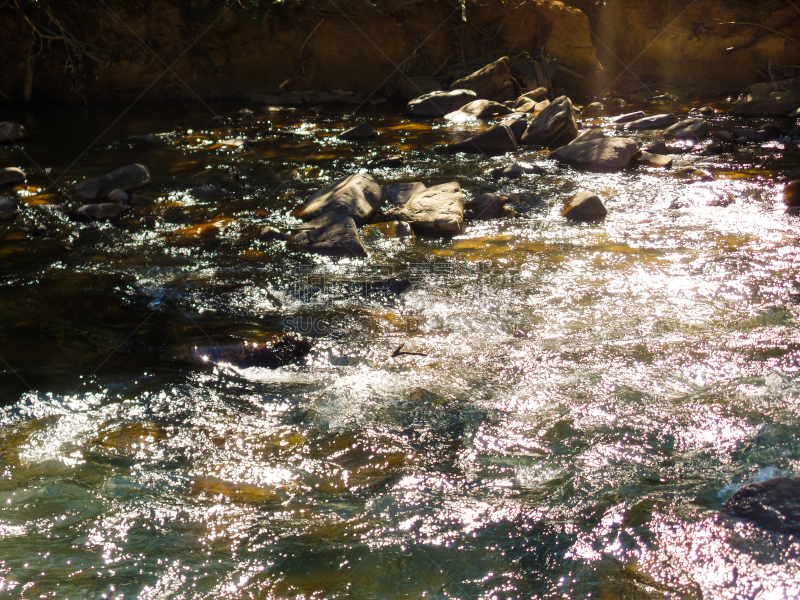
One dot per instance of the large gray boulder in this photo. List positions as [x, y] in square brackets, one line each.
[479, 109]
[600, 155]
[690, 129]
[554, 126]
[332, 234]
[124, 178]
[773, 504]
[435, 211]
[13, 132]
[653, 122]
[498, 139]
[438, 104]
[357, 195]
[492, 82]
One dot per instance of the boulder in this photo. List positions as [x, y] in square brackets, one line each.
[772, 106]
[479, 109]
[387, 230]
[413, 87]
[601, 155]
[658, 147]
[594, 133]
[270, 234]
[654, 122]
[487, 206]
[773, 504]
[584, 206]
[400, 193]
[356, 195]
[11, 176]
[526, 106]
[362, 131]
[105, 211]
[594, 108]
[7, 208]
[629, 117]
[536, 95]
[694, 129]
[554, 126]
[438, 104]
[498, 139]
[124, 178]
[516, 171]
[517, 127]
[436, 211]
[492, 82]
[118, 197]
[13, 132]
[655, 160]
[791, 194]
[332, 234]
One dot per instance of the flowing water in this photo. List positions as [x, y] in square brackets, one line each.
[586, 397]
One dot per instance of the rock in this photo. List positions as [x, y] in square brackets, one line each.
[13, 132]
[498, 139]
[438, 104]
[536, 95]
[791, 194]
[693, 175]
[362, 131]
[602, 155]
[526, 107]
[7, 208]
[356, 195]
[390, 162]
[516, 171]
[413, 87]
[706, 111]
[40, 231]
[479, 109]
[492, 82]
[11, 176]
[124, 178]
[400, 193]
[245, 113]
[517, 127]
[618, 102]
[773, 106]
[594, 108]
[725, 136]
[554, 126]
[773, 504]
[594, 133]
[118, 197]
[629, 117]
[388, 229]
[655, 160]
[332, 234]
[795, 114]
[658, 147]
[689, 129]
[436, 211]
[105, 211]
[287, 350]
[540, 106]
[654, 122]
[270, 234]
[584, 206]
[487, 206]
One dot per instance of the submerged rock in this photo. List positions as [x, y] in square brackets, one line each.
[629, 117]
[584, 206]
[285, 351]
[388, 229]
[11, 176]
[332, 234]
[498, 139]
[438, 104]
[773, 504]
[602, 155]
[487, 206]
[390, 162]
[653, 122]
[479, 109]
[362, 131]
[13, 132]
[492, 82]
[791, 194]
[554, 126]
[516, 171]
[357, 195]
[124, 178]
[105, 211]
[655, 160]
[436, 211]
[400, 193]
[536, 95]
[685, 130]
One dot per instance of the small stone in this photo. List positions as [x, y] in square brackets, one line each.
[11, 176]
[629, 117]
[584, 206]
[655, 160]
[362, 131]
[487, 206]
[791, 194]
[516, 171]
[104, 211]
[118, 197]
[270, 234]
[390, 162]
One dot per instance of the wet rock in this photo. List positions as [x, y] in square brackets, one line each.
[13, 132]
[745, 134]
[124, 178]
[435, 211]
[390, 162]
[357, 195]
[693, 129]
[270, 234]
[791, 194]
[554, 126]
[601, 155]
[498, 139]
[492, 82]
[118, 197]
[479, 109]
[400, 193]
[438, 104]
[773, 504]
[362, 131]
[11, 176]
[487, 206]
[584, 206]
[594, 108]
[279, 109]
[517, 127]
[536, 95]
[386, 230]
[693, 175]
[655, 160]
[516, 171]
[526, 107]
[654, 122]
[145, 139]
[220, 120]
[332, 234]
[594, 133]
[413, 87]
[245, 113]
[40, 231]
[706, 111]
[795, 114]
[724, 136]
[105, 211]
[773, 106]
[658, 147]
[630, 117]
[7, 208]
[617, 102]
[285, 351]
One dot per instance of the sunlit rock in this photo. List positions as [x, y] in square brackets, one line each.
[554, 126]
[479, 109]
[400, 193]
[655, 160]
[11, 176]
[653, 122]
[362, 131]
[124, 178]
[689, 129]
[492, 82]
[791, 194]
[487, 206]
[774, 504]
[270, 234]
[584, 206]
[438, 104]
[601, 155]
[498, 139]
[331, 234]
[358, 196]
[629, 117]
[435, 211]
[536, 95]
[593, 133]
[777, 104]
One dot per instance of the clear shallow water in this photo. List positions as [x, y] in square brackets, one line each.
[590, 396]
